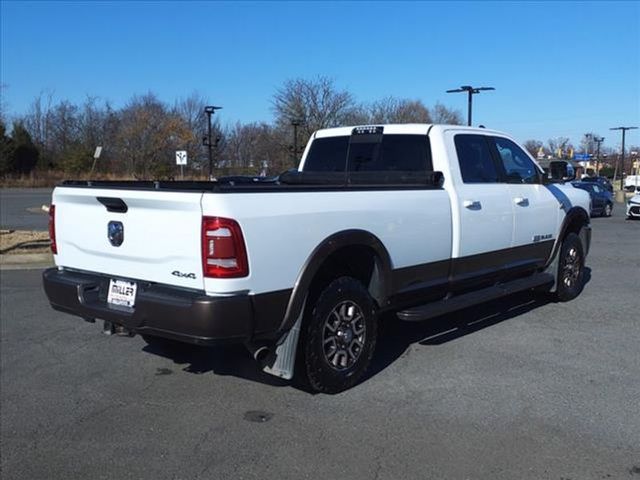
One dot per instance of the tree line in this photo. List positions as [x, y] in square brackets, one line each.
[139, 140]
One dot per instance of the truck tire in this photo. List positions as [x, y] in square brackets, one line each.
[570, 269]
[339, 337]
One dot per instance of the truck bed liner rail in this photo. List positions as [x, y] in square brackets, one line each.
[288, 182]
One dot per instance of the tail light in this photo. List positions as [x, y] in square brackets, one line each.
[52, 228]
[223, 251]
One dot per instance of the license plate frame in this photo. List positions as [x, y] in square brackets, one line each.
[122, 293]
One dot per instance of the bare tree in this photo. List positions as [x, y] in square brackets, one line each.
[445, 116]
[148, 136]
[394, 110]
[37, 121]
[191, 110]
[533, 147]
[559, 146]
[253, 148]
[64, 126]
[3, 104]
[316, 103]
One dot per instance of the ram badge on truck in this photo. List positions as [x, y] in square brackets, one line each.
[417, 220]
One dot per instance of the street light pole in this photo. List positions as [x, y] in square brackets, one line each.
[206, 141]
[296, 123]
[624, 131]
[598, 141]
[471, 91]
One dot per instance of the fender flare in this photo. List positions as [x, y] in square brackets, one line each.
[330, 245]
[574, 213]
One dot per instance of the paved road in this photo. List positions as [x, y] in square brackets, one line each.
[517, 389]
[20, 208]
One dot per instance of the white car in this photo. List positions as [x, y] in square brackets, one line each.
[633, 207]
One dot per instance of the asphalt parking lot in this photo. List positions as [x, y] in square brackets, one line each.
[22, 208]
[515, 389]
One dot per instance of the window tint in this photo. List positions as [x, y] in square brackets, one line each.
[596, 189]
[406, 153]
[400, 153]
[474, 156]
[519, 168]
[364, 157]
[327, 155]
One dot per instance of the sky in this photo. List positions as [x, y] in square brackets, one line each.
[559, 68]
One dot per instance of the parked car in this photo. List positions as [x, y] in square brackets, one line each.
[635, 189]
[601, 199]
[633, 207]
[604, 182]
[632, 183]
[412, 220]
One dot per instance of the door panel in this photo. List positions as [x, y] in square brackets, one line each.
[485, 214]
[535, 221]
[535, 209]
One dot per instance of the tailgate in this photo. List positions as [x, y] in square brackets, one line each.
[160, 233]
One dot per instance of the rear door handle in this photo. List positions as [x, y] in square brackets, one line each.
[472, 204]
[523, 202]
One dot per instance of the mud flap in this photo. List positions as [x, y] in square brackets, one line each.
[553, 270]
[285, 361]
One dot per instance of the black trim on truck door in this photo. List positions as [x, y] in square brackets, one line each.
[420, 283]
[477, 271]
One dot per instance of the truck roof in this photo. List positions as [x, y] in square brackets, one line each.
[402, 128]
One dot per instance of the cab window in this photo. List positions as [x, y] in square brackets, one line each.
[518, 167]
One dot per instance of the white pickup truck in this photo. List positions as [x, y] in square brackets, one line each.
[417, 220]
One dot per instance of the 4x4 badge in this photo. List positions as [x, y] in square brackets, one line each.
[115, 233]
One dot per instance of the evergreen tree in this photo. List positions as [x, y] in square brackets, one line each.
[6, 150]
[25, 153]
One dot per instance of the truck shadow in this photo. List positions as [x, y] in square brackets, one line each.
[233, 360]
[394, 339]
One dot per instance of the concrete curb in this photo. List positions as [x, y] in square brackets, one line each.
[26, 261]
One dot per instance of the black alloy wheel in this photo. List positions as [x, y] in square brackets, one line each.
[339, 337]
[570, 269]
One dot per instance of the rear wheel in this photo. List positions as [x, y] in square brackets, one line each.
[570, 269]
[339, 337]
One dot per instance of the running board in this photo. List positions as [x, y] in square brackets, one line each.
[465, 300]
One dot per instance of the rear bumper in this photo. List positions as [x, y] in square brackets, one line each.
[185, 315]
